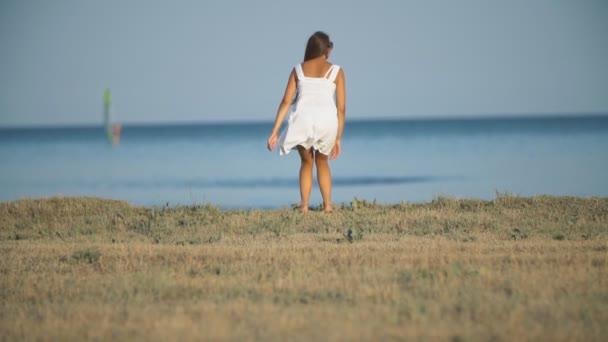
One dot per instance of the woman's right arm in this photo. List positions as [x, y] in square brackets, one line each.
[290, 91]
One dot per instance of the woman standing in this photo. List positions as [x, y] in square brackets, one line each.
[316, 120]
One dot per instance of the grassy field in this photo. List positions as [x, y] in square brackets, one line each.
[503, 270]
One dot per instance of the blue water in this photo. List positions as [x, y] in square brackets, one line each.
[390, 161]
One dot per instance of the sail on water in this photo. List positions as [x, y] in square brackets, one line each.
[112, 129]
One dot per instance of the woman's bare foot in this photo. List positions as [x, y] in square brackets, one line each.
[304, 209]
[328, 209]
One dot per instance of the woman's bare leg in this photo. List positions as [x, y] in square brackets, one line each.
[306, 157]
[324, 179]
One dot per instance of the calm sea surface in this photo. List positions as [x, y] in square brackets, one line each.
[390, 161]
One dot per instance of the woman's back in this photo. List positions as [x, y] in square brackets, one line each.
[316, 68]
[316, 91]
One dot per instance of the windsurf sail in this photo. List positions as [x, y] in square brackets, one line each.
[112, 129]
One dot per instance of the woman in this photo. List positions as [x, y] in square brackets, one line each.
[316, 120]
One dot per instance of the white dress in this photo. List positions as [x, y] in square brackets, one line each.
[313, 117]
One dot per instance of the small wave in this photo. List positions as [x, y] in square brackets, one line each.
[232, 183]
[282, 182]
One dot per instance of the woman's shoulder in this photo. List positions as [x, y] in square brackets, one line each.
[327, 63]
[336, 66]
[299, 68]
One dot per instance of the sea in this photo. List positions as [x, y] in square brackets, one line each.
[389, 161]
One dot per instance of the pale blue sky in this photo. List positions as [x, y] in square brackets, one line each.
[226, 60]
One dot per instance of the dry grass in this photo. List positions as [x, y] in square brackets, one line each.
[509, 269]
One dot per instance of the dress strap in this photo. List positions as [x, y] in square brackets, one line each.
[328, 72]
[333, 72]
[299, 71]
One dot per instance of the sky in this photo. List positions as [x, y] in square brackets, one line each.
[202, 61]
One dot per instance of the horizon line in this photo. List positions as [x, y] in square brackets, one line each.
[240, 121]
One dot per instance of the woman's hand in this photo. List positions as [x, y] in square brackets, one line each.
[272, 141]
[335, 152]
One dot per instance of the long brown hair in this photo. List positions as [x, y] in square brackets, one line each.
[318, 45]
